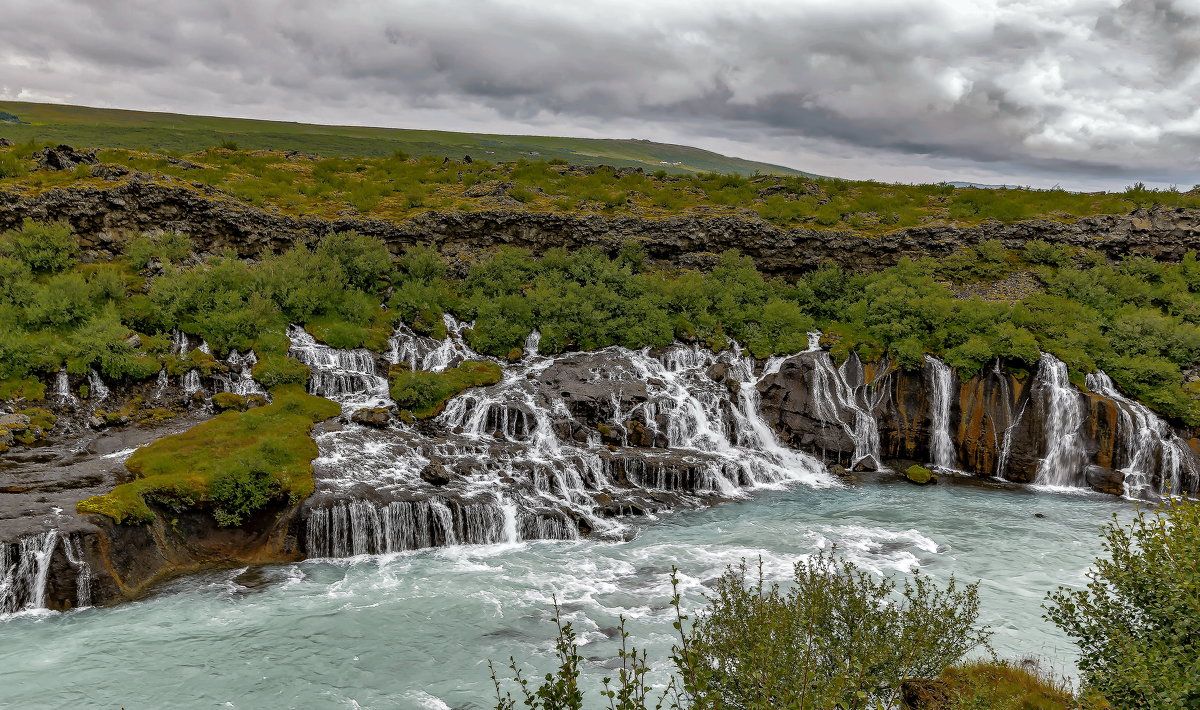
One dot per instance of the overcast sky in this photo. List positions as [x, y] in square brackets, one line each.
[1091, 94]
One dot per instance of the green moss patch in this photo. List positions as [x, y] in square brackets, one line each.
[920, 475]
[425, 393]
[232, 464]
[27, 388]
[338, 333]
[276, 371]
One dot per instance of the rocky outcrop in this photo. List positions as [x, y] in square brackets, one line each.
[218, 221]
[999, 423]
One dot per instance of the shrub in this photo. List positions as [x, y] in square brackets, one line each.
[1041, 252]
[46, 247]
[277, 370]
[425, 393]
[241, 492]
[837, 638]
[1137, 624]
[11, 166]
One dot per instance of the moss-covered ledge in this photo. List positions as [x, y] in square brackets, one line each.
[231, 465]
[424, 394]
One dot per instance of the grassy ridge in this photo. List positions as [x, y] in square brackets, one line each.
[398, 188]
[232, 464]
[169, 132]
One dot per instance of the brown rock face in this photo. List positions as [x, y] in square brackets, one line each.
[999, 424]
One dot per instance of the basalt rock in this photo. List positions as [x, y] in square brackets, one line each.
[375, 416]
[1105, 480]
[64, 157]
[218, 221]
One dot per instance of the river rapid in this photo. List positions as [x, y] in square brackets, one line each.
[416, 629]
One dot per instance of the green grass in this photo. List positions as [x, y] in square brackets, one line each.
[209, 465]
[1005, 685]
[425, 394]
[178, 133]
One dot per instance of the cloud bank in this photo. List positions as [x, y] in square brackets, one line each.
[1089, 93]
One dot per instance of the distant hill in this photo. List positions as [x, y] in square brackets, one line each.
[982, 186]
[161, 132]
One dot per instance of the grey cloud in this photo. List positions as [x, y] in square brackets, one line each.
[1086, 92]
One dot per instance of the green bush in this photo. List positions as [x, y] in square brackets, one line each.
[425, 393]
[277, 370]
[836, 638]
[241, 492]
[46, 247]
[1137, 624]
[11, 166]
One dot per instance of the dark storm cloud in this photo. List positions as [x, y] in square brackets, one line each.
[1090, 92]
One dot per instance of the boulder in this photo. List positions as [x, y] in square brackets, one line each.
[435, 475]
[5, 143]
[377, 417]
[866, 463]
[64, 157]
[109, 171]
[920, 475]
[14, 422]
[6, 439]
[1105, 480]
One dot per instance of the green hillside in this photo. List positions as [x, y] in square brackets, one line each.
[170, 132]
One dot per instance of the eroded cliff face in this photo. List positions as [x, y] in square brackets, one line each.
[217, 221]
[1026, 428]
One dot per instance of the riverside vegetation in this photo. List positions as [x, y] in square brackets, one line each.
[837, 637]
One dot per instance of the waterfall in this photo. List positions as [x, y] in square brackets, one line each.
[24, 570]
[179, 344]
[360, 527]
[941, 384]
[191, 382]
[1063, 413]
[73, 549]
[241, 380]
[62, 387]
[345, 376]
[160, 384]
[832, 394]
[1151, 455]
[97, 391]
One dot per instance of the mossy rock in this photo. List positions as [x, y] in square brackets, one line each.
[225, 401]
[28, 389]
[425, 394]
[40, 418]
[230, 465]
[920, 475]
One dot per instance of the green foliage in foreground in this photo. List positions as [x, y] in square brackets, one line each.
[232, 464]
[425, 394]
[835, 638]
[1137, 624]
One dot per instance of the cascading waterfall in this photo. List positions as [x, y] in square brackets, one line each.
[345, 376]
[191, 382]
[1153, 458]
[832, 394]
[240, 380]
[73, 549]
[179, 344]
[97, 390]
[1062, 464]
[24, 569]
[160, 384]
[62, 387]
[940, 383]
[522, 468]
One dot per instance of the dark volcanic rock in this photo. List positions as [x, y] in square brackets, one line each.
[376, 416]
[64, 157]
[1105, 480]
[217, 221]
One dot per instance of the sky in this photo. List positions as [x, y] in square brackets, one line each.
[1086, 94]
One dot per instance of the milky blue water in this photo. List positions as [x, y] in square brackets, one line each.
[416, 630]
